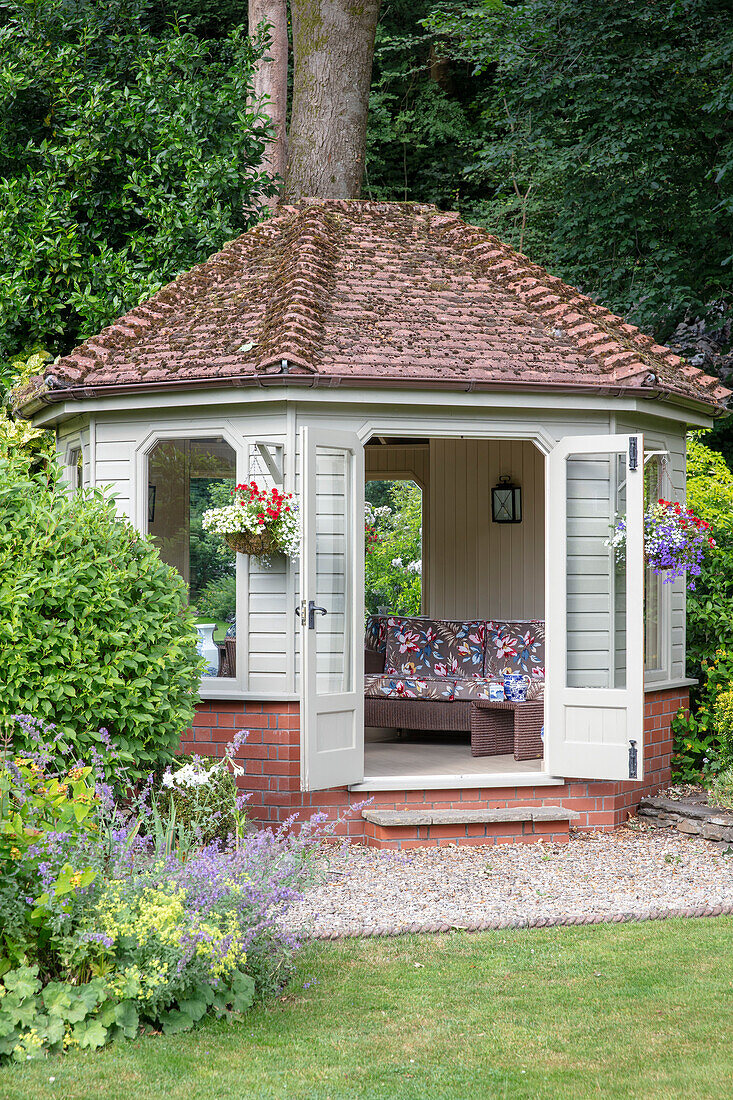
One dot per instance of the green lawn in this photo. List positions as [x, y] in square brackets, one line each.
[609, 1011]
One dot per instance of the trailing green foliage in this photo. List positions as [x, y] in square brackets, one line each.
[127, 154]
[35, 1020]
[710, 606]
[95, 630]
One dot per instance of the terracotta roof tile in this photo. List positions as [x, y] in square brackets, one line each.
[369, 290]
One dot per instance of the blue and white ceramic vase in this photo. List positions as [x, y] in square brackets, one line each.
[515, 687]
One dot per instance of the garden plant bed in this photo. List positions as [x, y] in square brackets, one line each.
[688, 811]
[635, 873]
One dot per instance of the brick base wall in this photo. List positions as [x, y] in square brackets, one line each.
[271, 758]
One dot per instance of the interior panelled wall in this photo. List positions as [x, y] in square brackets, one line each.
[481, 569]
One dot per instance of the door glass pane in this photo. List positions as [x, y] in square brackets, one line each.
[595, 573]
[185, 477]
[653, 490]
[332, 630]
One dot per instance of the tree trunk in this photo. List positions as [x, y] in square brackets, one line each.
[333, 45]
[270, 85]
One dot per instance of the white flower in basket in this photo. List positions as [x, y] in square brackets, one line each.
[257, 521]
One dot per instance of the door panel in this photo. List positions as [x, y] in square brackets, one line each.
[331, 609]
[595, 675]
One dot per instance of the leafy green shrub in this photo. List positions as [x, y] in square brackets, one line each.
[723, 724]
[702, 738]
[95, 630]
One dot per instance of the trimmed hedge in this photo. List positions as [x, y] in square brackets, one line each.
[95, 630]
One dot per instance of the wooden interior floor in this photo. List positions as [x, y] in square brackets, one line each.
[436, 755]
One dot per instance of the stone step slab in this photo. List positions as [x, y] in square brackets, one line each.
[399, 818]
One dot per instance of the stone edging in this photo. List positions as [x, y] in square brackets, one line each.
[693, 818]
[631, 917]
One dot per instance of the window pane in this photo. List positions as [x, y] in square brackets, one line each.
[596, 583]
[653, 490]
[76, 469]
[333, 630]
[185, 477]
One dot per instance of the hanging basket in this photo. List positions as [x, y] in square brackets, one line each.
[251, 542]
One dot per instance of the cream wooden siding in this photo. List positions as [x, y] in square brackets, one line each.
[115, 461]
[479, 568]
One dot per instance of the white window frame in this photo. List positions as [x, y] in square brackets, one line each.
[73, 471]
[210, 687]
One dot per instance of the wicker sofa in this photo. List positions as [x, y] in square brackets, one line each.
[426, 674]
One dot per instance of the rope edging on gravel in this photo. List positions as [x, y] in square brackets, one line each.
[364, 932]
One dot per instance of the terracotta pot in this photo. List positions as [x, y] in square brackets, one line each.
[248, 542]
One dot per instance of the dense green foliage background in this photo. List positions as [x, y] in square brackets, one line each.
[127, 154]
[595, 137]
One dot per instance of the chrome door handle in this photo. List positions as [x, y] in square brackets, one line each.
[312, 609]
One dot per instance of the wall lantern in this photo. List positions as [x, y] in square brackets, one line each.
[506, 502]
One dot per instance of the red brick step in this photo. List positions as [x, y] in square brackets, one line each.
[429, 828]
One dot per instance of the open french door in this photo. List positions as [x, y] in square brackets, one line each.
[332, 609]
[594, 711]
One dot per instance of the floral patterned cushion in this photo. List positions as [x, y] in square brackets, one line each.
[472, 689]
[431, 647]
[375, 635]
[518, 646]
[400, 687]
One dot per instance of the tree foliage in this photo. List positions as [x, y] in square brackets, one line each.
[127, 154]
[595, 137]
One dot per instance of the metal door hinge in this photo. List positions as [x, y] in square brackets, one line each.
[632, 760]
[633, 452]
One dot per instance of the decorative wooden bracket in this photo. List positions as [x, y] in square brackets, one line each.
[272, 455]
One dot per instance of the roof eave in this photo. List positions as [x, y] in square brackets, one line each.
[60, 393]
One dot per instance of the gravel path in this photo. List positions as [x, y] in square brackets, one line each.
[637, 872]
